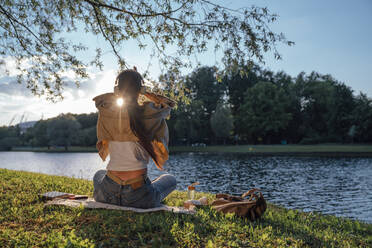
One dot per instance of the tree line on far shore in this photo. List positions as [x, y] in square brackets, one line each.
[260, 107]
[64, 130]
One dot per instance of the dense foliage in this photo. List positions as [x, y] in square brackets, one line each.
[36, 35]
[260, 108]
[64, 130]
[271, 108]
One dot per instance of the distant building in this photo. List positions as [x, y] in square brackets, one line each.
[26, 125]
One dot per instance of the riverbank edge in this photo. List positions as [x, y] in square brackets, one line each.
[252, 150]
[25, 221]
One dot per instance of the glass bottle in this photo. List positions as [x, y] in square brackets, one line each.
[191, 192]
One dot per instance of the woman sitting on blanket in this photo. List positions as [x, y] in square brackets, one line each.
[132, 133]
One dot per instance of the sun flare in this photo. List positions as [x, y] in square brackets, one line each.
[120, 102]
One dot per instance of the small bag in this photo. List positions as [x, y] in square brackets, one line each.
[252, 208]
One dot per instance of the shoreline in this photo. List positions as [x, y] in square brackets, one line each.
[293, 154]
[27, 222]
[325, 150]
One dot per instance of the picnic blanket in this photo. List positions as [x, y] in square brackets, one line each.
[91, 203]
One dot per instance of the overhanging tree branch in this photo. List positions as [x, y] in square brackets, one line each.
[99, 4]
[105, 36]
[33, 29]
[11, 18]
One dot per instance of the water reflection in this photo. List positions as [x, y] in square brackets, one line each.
[330, 185]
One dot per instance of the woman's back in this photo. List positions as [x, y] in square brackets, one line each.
[131, 133]
[114, 125]
[127, 156]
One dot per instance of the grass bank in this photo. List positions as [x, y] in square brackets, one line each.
[287, 150]
[26, 222]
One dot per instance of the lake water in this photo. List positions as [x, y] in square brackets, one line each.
[338, 186]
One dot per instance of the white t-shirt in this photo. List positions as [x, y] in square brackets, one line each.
[127, 156]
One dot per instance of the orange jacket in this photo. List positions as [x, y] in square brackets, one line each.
[113, 124]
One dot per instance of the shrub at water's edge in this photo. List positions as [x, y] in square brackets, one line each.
[25, 221]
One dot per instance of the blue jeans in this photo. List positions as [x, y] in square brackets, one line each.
[147, 196]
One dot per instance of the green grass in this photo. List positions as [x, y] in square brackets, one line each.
[26, 222]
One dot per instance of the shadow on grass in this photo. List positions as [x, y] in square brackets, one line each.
[317, 230]
[115, 228]
[27, 222]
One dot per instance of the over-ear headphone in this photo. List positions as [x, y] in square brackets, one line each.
[116, 87]
[143, 90]
[116, 90]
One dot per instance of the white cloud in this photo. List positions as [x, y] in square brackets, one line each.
[16, 99]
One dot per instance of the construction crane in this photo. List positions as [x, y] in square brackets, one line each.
[26, 117]
[22, 117]
[11, 121]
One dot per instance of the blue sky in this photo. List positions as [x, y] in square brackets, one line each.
[332, 37]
